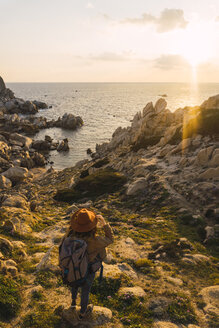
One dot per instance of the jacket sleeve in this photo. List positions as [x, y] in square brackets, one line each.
[107, 239]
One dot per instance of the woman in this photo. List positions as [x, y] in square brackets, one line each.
[83, 225]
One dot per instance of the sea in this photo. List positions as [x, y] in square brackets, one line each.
[103, 107]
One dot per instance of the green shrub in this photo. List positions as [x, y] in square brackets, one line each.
[41, 317]
[143, 263]
[101, 162]
[108, 287]
[27, 266]
[10, 297]
[181, 310]
[93, 185]
[37, 295]
[46, 279]
[213, 320]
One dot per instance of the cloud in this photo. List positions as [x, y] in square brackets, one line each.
[217, 19]
[144, 19]
[110, 56]
[169, 19]
[168, 62]
[89, 5]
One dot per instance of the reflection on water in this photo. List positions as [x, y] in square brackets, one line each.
[103, 107]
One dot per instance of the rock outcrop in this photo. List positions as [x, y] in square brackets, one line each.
[99, 317]
[18, 151]
[2, 85]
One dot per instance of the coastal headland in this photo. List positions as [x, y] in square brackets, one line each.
[156, 182]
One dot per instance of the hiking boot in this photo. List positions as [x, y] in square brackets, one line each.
[73, 304]
[89, 310]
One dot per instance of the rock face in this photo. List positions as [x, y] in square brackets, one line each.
[2, 85]
[63, 146]
[210, 296]
[16, 174]
[15, 201]
[4, 182]
[164, 324]
[138, 185]
[135, 291]
[49, 260]
[176, 150]
[211, 103]
[157, 124]
[99, 317]
[70, 122]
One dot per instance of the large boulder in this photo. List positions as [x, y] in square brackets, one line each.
[211, 103]
[5, 245]
[21, 218]
[38, 159]
[15, 201]
[203, 156]
[138, 185]
[40, 104]
[11, 106]
[172, 135]
[49, 260]
[135, 291]
[210, 296]
[71, 122]
[28, 107]
[41, 145]
[116, 271]
[214, 162]
[5, 183]
[100, 316]
[160, 105]
[16, 174]
[212, 173]
[63, 145]
[164, 324]
[20, 139]
[127, 249]
[4, 149]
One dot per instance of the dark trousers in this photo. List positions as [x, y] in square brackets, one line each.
[85, 291]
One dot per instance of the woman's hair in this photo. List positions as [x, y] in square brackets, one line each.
[71, 232]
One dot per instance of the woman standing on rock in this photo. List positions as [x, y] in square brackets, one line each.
[81, 254]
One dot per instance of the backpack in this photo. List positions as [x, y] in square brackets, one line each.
[74, 264]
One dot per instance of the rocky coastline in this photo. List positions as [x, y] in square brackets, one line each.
[157, 183]
[18, 125]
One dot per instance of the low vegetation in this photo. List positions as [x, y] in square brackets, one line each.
[10, 297]
[96, 184]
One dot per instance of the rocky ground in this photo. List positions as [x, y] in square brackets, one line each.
[157, 183]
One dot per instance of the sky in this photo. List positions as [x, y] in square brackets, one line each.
[109, 40]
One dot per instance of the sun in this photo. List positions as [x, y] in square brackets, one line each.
[195, 44]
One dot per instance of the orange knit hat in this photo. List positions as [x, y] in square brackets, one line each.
[83, 220]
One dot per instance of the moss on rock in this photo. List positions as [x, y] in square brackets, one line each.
[42, 316]
[93, 185]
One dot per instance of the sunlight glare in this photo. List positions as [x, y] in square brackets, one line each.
[195, 44]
